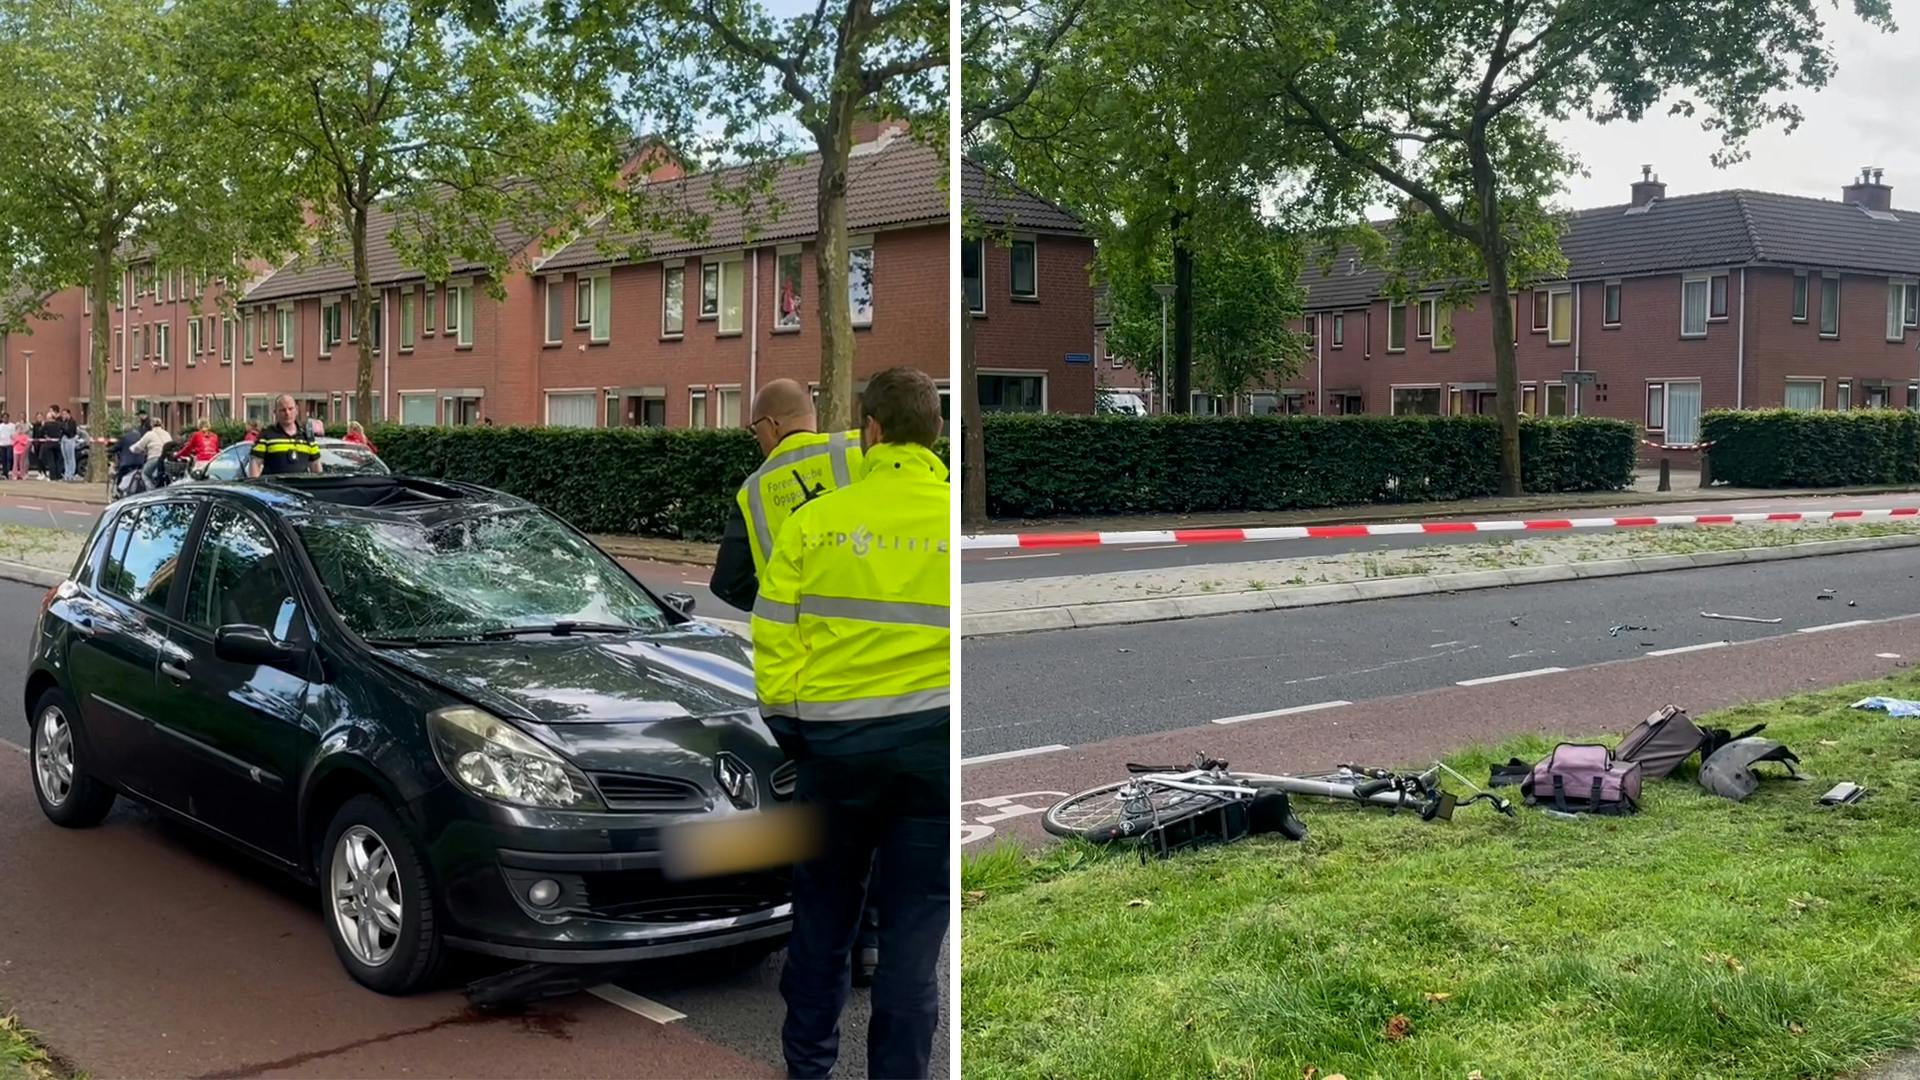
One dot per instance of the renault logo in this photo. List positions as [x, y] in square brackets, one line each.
[736, 779]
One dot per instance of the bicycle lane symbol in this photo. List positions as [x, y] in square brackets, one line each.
[998, 808]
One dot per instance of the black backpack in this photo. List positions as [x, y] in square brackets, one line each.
[1668, 737]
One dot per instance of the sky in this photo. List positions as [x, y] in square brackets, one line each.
[1862, 117]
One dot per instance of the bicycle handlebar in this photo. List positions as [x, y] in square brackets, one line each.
[1372, 787]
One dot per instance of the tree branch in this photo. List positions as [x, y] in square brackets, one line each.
[1346, 149]
[1037, 68]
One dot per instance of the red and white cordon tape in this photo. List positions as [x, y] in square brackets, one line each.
[1342, 532]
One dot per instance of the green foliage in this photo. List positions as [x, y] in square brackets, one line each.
[1780, 448]
[1058, 465]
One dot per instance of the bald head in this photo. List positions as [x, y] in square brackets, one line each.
[781, 408]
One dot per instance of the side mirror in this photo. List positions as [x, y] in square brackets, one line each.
[239, 643]
[680, 602]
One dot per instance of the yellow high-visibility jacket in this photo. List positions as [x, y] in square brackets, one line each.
[804, 466]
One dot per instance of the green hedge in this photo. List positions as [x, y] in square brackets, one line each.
[1780, 448]
[666, 482]
[1057, 465]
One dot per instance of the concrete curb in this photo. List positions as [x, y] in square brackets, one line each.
[1167, 608]
[30, 575]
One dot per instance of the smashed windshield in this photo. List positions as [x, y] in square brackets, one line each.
[487, 574]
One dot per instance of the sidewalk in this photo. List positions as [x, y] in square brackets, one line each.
[1685, 489]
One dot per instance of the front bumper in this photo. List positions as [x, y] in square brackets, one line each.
[614, 903]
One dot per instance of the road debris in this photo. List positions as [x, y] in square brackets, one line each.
[1616, 631]
[1890, 706]
[1737, 618]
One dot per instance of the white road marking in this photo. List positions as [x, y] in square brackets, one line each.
[1443, 644]
[1154, 547]
[1485, 679]
[1834, 626]
[634, 1003]
[1887, 655]
[82, 513]
[1005, 754]
[1316, 707]
[24, 506]
[1690, 648]
[1029, 555]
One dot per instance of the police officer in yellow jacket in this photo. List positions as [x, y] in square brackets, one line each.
[851, 664]
[800, 465]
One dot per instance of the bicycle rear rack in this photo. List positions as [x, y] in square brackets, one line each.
[1220, 824]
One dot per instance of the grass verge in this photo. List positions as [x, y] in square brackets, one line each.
[21, 1058]
[1702, 938]
[48, 549]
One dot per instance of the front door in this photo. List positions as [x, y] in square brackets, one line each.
[242, 725]
[120, 633]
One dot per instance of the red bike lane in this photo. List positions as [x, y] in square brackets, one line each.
[136, 950]
[1006, 798]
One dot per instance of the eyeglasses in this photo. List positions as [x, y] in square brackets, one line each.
[758, 421]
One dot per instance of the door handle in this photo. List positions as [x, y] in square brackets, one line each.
[174, 671]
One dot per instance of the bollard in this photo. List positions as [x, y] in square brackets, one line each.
[1666, 475]
[1706, 469]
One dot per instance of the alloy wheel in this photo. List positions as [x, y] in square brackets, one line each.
[365, 890]
[53, 756]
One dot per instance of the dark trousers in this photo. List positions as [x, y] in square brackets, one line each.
[894, 828]
[6, 460]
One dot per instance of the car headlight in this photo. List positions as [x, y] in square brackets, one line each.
[495, 760]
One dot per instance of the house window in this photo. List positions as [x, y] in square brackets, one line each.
[601, 328]
[1829, 307]
[286, 331]
[1442, 326]
[428, 311]
[1560, 317]
[1903, 308]
[673, 301]
[262, 330]
[1513, 315]
[406, 321]
[1800, 297]
[1717, 297]
[258, 407]
[348, 316]
[460, 313]
[730, 289]
[1416, 401]
[709, 290]
[1013, 393]
[329, 326]
[1556, 399]
[119, 343]
[786, 285]
[375, 334]
[1843, 395]
[582, 302]
[226, 340]
[556, 308]
[1913, 397]
[1610, 316]
[1878, 397]
[728, 411]
[1694, 303]
[973, 274]
[1396, 327]
[1529, 401]
[417, 409]
[193, 341]
[566, 410]
[1025, 276]
[454, 323]
[1339, 331]
[697, 408]
[1679, 410]
[1539, 311]
[1805, 394]
[1424, 328]
[860, 283]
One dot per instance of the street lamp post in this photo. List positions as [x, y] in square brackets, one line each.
[1165, 292]
[26, 357]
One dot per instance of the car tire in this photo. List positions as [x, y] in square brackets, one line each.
[402, 952]
[55, 756]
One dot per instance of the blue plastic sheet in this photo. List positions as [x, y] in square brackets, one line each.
[1890, 706]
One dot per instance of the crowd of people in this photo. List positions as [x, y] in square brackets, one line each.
[48, 446]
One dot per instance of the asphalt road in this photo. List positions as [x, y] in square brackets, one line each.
[111, 995]
[1007, 565]
[1077, 686]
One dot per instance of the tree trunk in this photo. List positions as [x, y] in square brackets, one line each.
[1506, 375]
[1182, 320]
[98, 468]
[830, 254]
[362, 319]
[973, 446]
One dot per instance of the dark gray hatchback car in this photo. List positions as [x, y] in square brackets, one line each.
[439, 703]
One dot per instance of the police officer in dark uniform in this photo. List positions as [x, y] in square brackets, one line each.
[285, 447]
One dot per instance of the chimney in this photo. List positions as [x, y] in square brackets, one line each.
[1868, 191]
[867, 129]
[1648, 187]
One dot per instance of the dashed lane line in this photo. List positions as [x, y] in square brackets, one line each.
[634, 1003]
[1030, 555]
[1485, 679]
[1294, 711]
[1006, 754]
[1690, 648]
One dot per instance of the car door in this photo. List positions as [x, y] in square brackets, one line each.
[120, 628]
[244, 729]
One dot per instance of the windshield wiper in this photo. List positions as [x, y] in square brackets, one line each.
[562, 629]
[417, 642]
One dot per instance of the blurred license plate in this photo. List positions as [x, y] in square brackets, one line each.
[735, 845]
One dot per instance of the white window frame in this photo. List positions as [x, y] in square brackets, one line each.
[720, 264]
[980, 249]
[1396, 317]
[600, 319]
[1726, 295]
[460, 303]
[698, 394]
[1338, 336]
[1562, 335]
[1706, 304]
[547, 396]
[1612, 291]
[1655, 386]
[1033, 242]
[163, 345]
[193, 342]
[1843, 395]
[1046, 388]
[1835, 334]
[667, 271]
[857, 244]
[400, 398]
[1819, 382]
[1423, 322]
[1801, 298]
[429, 311]
[1442, 318]
[553, 330]
[710, 265]
[1541, 316]
[1666, 402]
[1392, 404]
[781, 254]
[582, 312]
[1899, 292]
[718, 402]
[407, 327]
[289, 346]
[228, 329]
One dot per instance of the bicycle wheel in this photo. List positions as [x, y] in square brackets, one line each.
[1125, 808]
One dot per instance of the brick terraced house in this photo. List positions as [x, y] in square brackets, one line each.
[1670, 306]
[1028, 289]
[680, 335]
